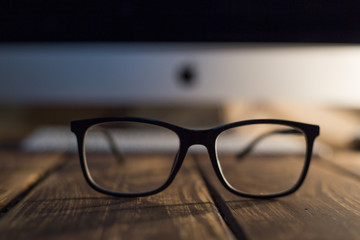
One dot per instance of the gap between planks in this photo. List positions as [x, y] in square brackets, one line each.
[221, 205]
[16, 187]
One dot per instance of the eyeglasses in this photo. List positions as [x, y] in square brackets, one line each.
[130, 157]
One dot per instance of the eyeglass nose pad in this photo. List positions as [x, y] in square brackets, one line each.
[214, 162]
[178, 159]
[175, 161]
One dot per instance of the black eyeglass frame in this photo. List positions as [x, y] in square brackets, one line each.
[187, 138]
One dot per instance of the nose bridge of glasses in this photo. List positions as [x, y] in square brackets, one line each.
[199, 137]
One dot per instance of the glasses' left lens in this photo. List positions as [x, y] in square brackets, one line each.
[130, 157]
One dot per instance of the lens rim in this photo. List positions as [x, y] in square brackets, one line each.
[310, 131]
[89, 160]
[230, 181]
[80, 128]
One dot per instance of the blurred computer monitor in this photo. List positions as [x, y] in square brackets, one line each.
[177, 73]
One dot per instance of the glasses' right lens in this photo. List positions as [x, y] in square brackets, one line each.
[130, 157]
[261, 159]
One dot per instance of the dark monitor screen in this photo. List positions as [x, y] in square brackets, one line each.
[181, 21]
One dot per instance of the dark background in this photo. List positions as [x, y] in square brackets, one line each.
[180, 21]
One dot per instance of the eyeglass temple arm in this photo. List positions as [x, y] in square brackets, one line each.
[115, 150]
[252, 144]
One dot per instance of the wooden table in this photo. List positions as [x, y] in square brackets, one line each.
[44, 196]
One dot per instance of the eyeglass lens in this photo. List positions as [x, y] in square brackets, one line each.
[261, 159]
[130, 157]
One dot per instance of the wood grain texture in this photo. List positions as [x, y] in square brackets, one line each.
[63, 206]
[327, 206]
[20, 171]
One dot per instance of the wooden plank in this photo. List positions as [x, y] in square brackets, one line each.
[64, 207]
[325, 207]
[19, 172]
